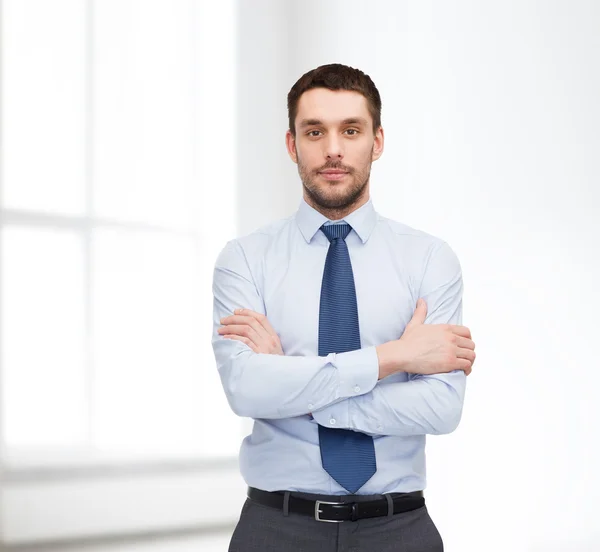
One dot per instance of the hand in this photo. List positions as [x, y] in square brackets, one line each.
[428, 348]
[253, 329]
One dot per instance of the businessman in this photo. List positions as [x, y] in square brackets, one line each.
[339, 331]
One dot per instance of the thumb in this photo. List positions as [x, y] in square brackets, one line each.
[419, 315]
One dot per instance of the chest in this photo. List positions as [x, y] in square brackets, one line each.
[291, 288]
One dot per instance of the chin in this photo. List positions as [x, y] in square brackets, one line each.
[338, 202]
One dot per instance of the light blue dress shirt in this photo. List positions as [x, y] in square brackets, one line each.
[277, 270]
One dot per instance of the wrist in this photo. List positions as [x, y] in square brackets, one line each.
[390, 358]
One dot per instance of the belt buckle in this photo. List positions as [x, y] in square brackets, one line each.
[318, 511]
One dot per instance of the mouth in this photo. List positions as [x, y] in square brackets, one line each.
[333, 175]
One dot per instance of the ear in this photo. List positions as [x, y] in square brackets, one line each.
[290, 143]
[378, 144]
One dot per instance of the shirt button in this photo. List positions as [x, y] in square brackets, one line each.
[310, 405]
[332, 421]
[356, 389]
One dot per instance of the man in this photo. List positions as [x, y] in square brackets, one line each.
[316, 337]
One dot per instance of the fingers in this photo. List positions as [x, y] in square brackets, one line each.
[238, 320]
[245, 340]
[261, 318]
[460, 364]
[465, 342]
[419, 315]
[465, 357]
[467, 354]
[459, 330]
[242, 330]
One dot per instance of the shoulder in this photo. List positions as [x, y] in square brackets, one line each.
[425, 248]
[257, 242]
[412, 236]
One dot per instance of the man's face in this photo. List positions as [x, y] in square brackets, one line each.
[334, 146]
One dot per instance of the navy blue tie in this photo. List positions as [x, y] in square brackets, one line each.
[348, 456]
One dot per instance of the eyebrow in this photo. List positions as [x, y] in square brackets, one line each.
[349, 121]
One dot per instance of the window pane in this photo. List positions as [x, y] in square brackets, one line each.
[217, 132]
[42, 307]
[43, 93]
[143, 92]
[156, 387]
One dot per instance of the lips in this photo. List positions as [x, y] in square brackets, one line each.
[333, 174]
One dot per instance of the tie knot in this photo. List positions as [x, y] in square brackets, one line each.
[333, 231]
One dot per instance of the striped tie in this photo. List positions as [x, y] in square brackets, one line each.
[348, 456]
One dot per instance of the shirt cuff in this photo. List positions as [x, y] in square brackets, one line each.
[358, 374]
[358, 371]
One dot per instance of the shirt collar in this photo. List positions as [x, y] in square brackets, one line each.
[362, 220]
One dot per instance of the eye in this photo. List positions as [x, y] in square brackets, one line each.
[353, 130]
[310, 133]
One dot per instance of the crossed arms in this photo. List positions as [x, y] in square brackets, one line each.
[343, 386]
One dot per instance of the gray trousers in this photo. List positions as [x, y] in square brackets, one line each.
[265, 529]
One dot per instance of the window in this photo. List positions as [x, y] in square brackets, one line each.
[117, 170]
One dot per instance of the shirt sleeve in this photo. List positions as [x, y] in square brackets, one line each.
[267, 386]
[425, 404]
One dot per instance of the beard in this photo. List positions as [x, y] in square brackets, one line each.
[335, 194]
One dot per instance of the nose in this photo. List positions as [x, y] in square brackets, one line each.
[333, 148]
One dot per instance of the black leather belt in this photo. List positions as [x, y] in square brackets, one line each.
[337, 512]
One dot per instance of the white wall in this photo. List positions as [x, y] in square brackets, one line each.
[491, 119]
[140, 87]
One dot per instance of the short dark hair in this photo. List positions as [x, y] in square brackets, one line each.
[335, 76]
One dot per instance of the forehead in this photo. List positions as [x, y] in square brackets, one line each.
[331, 106]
